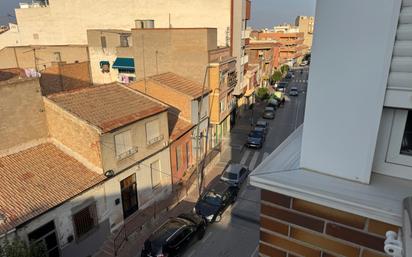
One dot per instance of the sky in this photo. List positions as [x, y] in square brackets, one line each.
[265, 13]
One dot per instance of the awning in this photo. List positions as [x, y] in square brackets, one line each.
[249, 92]
[124, 63]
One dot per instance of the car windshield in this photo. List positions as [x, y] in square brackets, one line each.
[261, 124]
[255, 134]
[230, 175]
[293, 89]
[212, 198]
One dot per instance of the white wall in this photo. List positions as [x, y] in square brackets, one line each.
[66, 22]
[353, 42]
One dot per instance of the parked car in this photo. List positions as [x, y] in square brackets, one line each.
[293, 91]
[174, 236]
[255, 139]
[235, 174]
[215, 200]
[273, 103]
[269, 113]
[262, 124]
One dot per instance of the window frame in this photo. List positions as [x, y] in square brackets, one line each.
[387, 160]
[156, 139]
[179, 159]
[159, 171]
[93, 216]
[126, 153]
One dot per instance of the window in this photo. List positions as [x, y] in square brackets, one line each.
[406, 145]
[178, 157]
[124, 40]
[153, 132]
[57, 57]
[35, 36]
[124, 145]
[47, 236]
[155, 171]
[222, 105]
[187, 155]
[105, 66]
[103, 41]
[85, 220]
[180, 236]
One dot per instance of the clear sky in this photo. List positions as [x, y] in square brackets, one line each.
[265, 13]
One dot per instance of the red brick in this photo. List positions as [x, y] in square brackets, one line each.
[324, 242]
[291, 217]
[367, 253]
[270, 251]
[355, 236]
[274, 226]
[275, 198]
[329, 213]
[380, 228]
[288, 245]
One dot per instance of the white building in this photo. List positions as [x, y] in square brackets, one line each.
[337, 184]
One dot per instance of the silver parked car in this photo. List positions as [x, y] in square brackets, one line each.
[235, 174]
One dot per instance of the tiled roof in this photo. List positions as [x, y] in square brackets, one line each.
[108, 106]
[180, 84]
[177, 126]
[37, 179]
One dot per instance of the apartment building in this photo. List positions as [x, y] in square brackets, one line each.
[222, 81]
[228, 16]
[111, 55]
[292, 50]
[187, 99]
[306, 24]
[338, 183]
[265, 54]
[78, 163]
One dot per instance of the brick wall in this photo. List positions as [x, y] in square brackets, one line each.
[74, 134]
[62, 76]
[180, 144]
[294, 227]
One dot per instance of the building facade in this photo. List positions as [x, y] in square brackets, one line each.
[306, 24]
[333, 190]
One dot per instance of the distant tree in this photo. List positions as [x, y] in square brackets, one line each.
[277, 76]
[284, 69]
[18, 248]
[262, 93]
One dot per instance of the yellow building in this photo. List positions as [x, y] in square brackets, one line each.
[305, 25]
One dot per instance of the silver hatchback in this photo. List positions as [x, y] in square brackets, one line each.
[235, 174]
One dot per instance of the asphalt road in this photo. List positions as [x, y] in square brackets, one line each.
[237, 233]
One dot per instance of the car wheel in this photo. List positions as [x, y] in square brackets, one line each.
[234, 199]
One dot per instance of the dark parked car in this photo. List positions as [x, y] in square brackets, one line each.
[262, 124]
[174, 236]
[235, 174]
[255, 139]
[269, 113]
[293, 91]
[215, 201]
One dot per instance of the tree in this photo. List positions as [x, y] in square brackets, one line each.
[284, 69]
[277, 76]
[18, 248]
[262, 93]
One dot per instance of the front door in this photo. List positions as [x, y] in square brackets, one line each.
[46, 235]
[129, 195]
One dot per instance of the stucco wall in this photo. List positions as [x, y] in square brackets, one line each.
[182, 51]
[23, 56]
[138, 131]
[22, 113]
[66, 22]
[180, 144]
[73, 133]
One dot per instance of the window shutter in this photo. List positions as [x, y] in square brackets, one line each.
[153, 132]
[124, 144]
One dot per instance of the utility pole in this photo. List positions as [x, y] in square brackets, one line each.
[199, 171]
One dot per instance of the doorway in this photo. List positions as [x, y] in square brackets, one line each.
[129, 195]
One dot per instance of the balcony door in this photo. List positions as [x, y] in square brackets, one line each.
[129, 195]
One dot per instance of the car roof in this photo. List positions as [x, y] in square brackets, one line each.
[269, 109]
[166, 230]
[234, 168]
[293, 88]
[262, 122]
[220, 187]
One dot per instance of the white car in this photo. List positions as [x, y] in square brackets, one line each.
[235, 174]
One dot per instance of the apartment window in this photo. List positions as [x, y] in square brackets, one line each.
[178, 157]
[187, 146]
[35, 36]
[124, 145]
[103, 41]
[406, 145]
[105, 66]
[155, 171]
[124, 40]
[153, 132]
[57, 57]
[85, 220]
[47, 236]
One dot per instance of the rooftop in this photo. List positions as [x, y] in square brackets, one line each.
[37, 179]
[12, 73]
[180, 84]
[177, 126]
[108, 106]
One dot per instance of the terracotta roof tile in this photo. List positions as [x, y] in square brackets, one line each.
[180, 84]
[108, 106]
[177, 126]
[37, 179]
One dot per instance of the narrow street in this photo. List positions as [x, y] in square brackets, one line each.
[237, 233]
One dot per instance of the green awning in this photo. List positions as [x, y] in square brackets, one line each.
[124, 63]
